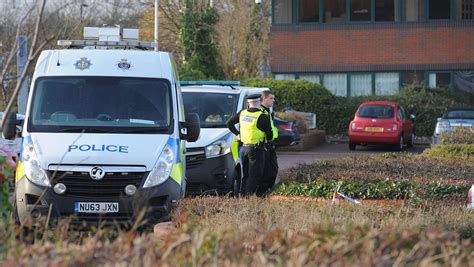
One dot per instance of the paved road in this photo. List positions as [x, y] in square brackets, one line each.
[329, 151]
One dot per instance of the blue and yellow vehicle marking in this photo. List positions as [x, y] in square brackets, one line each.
[20, 171]
[177, 171]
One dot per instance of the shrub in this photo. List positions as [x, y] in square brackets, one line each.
[335, 113]
[5, 176]
[460, 135]
[381, 189]
[387, 166]
[452, 151]
[384, 176]
[301, 95]
[291, 115]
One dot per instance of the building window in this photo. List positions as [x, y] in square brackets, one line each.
[465, 9]
[336, 83]
[413, 10]
[335, 11]
[309, 10]
[387, 83]
[411, 77]
[285, 76]
[314, 78]
[439, 9]
[464, 81]
[282, 10]
[360, 10]
[439, 79]
[361, 84]
[386, 10]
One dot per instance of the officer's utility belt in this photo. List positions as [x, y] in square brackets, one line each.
[254, 145]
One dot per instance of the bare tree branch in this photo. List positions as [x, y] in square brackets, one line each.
[12, 54]
[33, 52]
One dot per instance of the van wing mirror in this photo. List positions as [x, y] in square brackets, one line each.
[193, 127]
[9, 131]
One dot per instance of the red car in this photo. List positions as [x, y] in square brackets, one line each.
[381, 122]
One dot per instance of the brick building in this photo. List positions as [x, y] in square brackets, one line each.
[374, 47]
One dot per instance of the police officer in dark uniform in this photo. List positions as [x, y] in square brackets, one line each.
[271, 162]
[255, 129]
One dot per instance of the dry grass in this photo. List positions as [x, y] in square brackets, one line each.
[269, 232]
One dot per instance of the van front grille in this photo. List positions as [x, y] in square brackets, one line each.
[195, 157]
[112, 185]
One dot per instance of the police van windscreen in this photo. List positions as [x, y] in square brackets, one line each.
[101, 105]
[214, 109]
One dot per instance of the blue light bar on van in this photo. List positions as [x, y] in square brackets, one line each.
[221, 83]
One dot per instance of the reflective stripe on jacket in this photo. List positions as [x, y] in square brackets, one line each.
[274, 128]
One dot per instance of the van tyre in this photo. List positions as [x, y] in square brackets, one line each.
[236, 183]
[352, 146]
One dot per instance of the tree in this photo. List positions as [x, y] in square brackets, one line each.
[243, 38]
[168, 26]
[199, 40]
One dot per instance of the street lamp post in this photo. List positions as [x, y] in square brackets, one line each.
[157, 2]
[82, 6]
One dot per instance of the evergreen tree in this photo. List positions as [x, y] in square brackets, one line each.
[198, 39]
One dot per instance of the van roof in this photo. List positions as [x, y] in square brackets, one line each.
[104, 62]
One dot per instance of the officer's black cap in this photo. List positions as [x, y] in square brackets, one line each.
[254, 97]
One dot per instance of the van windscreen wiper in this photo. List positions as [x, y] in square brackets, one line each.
[145, 130]
[84, 130]
[214, 126]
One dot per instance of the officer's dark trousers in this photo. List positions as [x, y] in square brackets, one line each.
[270, 171]
[253, 158]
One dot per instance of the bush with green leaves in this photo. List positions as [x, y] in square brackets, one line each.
[452, 151]
[335, 113]
[403, 189]
[5, 183]
[384, 176]
[460, 135]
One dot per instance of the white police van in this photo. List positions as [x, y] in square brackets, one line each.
[213, 163]
[105, 132]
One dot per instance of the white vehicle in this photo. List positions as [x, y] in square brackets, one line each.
[213, 163]
[453, 118]
[104, 133]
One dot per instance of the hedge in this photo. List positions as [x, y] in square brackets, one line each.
[382, 176]
[460, 135]
[334, 113]
[452, 151]
[385, 167]
[458, 144]
[402, 189]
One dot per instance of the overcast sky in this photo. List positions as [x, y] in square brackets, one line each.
[94, 7]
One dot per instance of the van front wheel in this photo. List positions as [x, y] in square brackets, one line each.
[236, 184]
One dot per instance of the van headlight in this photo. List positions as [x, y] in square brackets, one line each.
[219, 147]
[162, 169]
[33, 170]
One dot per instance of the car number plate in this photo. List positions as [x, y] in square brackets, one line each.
[374, 129]
[96, 207]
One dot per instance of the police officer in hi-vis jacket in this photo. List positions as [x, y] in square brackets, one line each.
[271, 162]
[255, 130]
